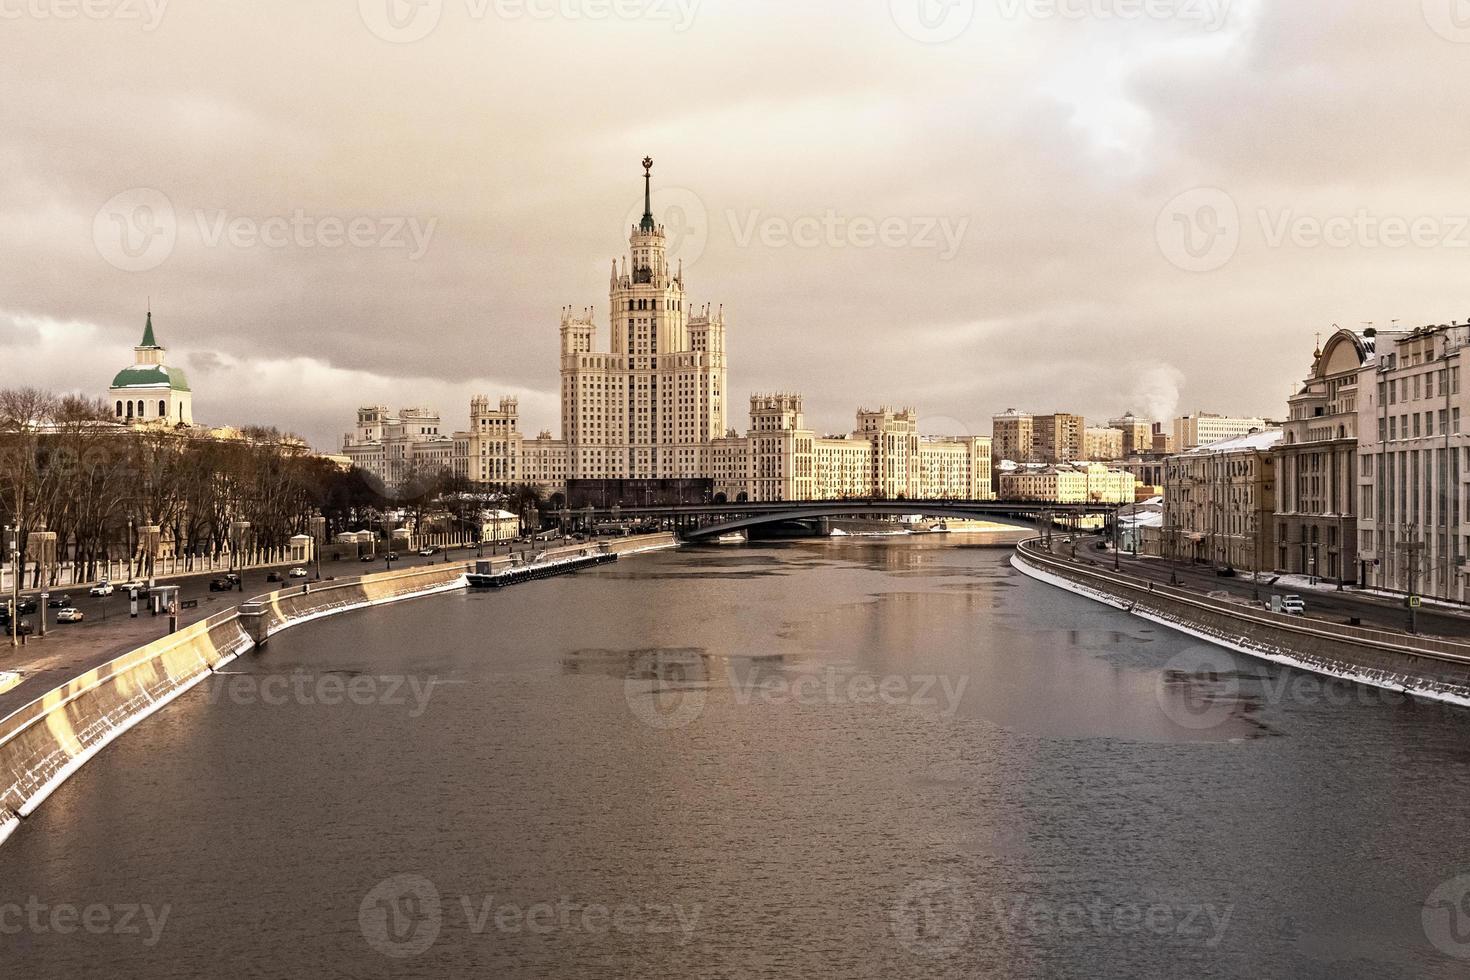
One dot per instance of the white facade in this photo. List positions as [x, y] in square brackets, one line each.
[151, 392]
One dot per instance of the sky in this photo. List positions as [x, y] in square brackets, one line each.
[963, 206]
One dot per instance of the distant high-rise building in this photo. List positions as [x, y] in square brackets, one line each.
[1102, 443]
[1059, 437]
[1203, 428]
[1138, 434]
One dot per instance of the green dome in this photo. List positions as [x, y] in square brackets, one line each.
[151, 376]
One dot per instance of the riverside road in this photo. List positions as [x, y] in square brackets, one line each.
[1376, 612]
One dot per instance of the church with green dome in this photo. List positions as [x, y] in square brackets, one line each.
[151, 392]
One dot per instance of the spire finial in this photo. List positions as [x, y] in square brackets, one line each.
[647, 223]
[148, 340]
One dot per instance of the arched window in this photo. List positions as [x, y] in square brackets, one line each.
[130, 408]
[162, 409]
[119, 409]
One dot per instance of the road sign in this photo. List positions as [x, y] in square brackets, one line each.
[1415, 602]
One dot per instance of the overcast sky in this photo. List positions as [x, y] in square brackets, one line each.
[963, 205]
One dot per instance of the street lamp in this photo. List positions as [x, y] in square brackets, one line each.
[12, 535]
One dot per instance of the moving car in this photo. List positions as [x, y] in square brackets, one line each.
[426, 552]
[367, 558]
[220, 585]
[27, 604]
[69, 615]
[1293, 605]
[274, 577]
[59, 602]
[24, 629]
[102, 588]
[392, 556]
[297, 573]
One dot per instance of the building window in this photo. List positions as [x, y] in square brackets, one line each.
[162, 409]
[119, 409]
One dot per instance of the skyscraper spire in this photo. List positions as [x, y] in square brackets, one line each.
[647, 223]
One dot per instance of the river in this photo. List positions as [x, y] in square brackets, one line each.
[849, 758]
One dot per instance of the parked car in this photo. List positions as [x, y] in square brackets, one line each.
[69, 615]
[1293, 605]
[59, 602]
[220, 585]
[298, 573]
[102, 588]
[274, 577]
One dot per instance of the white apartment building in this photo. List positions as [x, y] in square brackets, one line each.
[398, 449]
[779, 458]
[1203, 428]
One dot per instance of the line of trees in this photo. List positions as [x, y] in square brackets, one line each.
[68, 467]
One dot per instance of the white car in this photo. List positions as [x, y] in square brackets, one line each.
[102, 588]
[138, 584]
[69, 615]
[297, 573]
[428, 552]
[1293, 605]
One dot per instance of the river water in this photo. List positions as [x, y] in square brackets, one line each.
[854, 758]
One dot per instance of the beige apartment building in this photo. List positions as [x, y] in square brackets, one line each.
[1138, 434]
[1316, 464]
[1013, 436]
[1413, 511]
[1025, 438]
[1220, 500]
[1069, 483]
[1102, 443]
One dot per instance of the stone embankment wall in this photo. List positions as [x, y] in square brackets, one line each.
[52, 737]
[1425, 667]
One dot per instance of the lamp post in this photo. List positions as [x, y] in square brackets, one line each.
[12, 538]
[131, 552]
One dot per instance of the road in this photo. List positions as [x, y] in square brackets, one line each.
[1336, 607]
[107, 631]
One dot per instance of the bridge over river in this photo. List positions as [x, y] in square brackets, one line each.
[704, 521]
